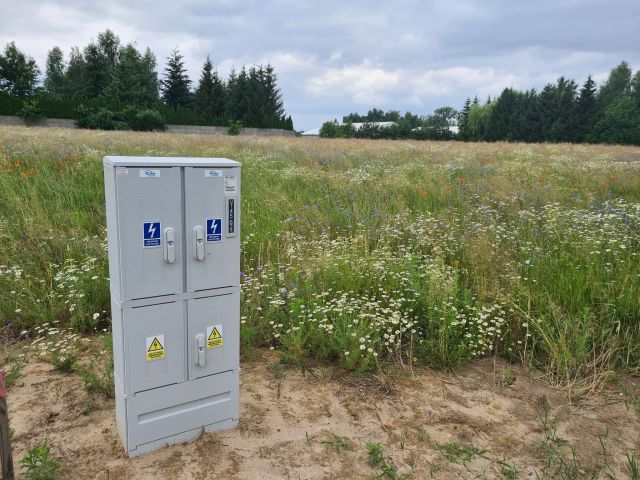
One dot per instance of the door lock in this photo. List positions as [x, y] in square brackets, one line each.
[169, 245]
[198, 239]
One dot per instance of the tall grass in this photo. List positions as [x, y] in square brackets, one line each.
[359, 252]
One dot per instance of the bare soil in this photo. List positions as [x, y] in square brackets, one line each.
[287, 415]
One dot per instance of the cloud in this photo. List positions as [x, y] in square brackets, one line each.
[369, 84]
[364, 84]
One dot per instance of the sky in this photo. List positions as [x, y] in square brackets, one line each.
[336, 57]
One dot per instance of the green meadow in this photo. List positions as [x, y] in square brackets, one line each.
[362, 254]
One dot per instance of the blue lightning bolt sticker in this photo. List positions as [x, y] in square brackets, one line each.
[151, 234]
[214, 230]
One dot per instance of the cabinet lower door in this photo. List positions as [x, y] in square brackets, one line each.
[213, 334]
[154, 346]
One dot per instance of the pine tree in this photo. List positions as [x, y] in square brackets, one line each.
[209, 96]
[500, 122]
[176, 83]
[54, 74]
[586, 110]
[533, 126]
[463, 120]
[235, 105]
[274, 107]
[289, 123]
[18, 72]
[255, 100]
[229, 107]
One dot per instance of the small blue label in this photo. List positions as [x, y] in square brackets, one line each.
[151, 234]
[214, 230]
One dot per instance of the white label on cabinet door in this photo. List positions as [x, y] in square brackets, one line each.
[212, 173]
[148, 173]
[230, 184]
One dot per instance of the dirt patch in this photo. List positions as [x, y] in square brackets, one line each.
[299, 426]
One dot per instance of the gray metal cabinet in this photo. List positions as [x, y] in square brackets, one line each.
[174, 266]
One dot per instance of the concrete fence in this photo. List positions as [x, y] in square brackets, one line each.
[189, 129]
[45, 122]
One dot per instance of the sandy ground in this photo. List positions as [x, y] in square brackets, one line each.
[286, 416]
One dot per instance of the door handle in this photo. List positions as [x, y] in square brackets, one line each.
[198, 239]
[200, 353]
[169, 245]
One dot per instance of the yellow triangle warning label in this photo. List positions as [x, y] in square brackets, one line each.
[214, 336]
[155, 345]
[155, 348]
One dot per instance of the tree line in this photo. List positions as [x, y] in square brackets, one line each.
[108, 84]
[560, 112]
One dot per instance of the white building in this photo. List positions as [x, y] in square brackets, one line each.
[315, 132]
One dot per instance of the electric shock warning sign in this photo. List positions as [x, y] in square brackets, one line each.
[151, 234]
[214, 230]
[155, 348]
[214, 336]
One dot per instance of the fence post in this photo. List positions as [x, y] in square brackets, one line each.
[6, 459]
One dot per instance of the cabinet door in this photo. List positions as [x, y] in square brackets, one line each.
[153, 346]
[213, 334]
[213, 252]
[150, 226]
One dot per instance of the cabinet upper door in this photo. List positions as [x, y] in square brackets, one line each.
[150, 230]
[212, 223]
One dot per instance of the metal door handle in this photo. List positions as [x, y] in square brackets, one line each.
[200, 353]
[198, 239]
[169, 245]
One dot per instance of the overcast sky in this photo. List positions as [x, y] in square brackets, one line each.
[335, 56]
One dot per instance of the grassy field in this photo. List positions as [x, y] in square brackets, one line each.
[361, 254]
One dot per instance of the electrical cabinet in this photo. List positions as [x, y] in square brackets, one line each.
[173, 228]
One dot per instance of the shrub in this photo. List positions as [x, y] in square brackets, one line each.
[147, 120]
[234, 127]
[101, 119]
[31, 112]
[330, 130]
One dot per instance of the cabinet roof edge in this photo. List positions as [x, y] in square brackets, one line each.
[169, 162]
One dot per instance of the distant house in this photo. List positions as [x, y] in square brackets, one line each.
[315, 132]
